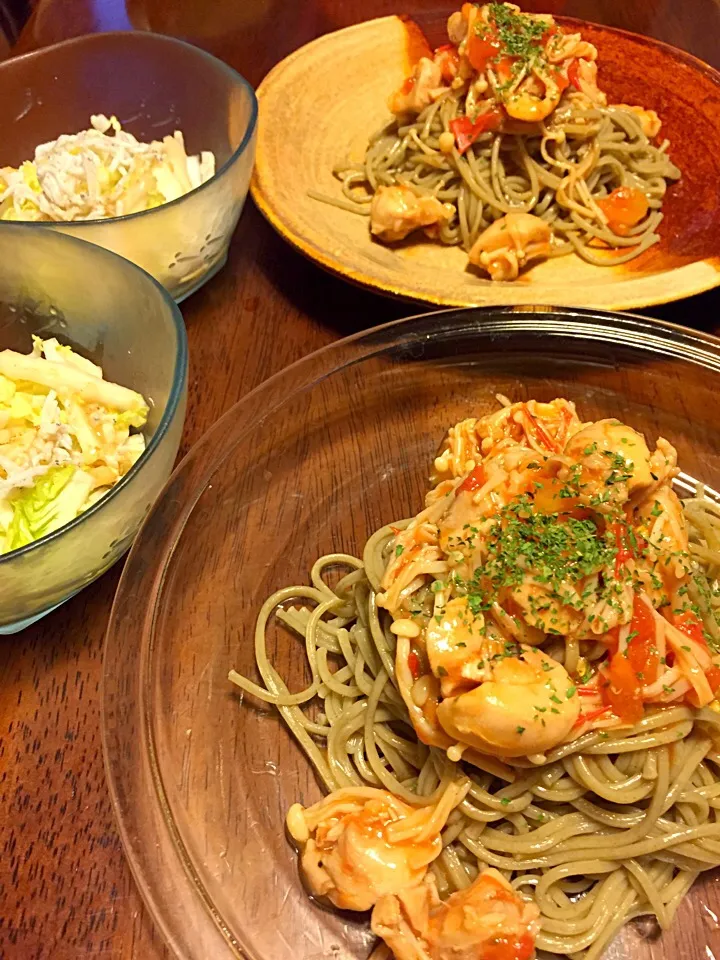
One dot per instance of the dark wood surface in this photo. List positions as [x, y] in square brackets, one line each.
[65, 890]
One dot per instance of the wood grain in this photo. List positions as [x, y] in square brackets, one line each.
[65, 890]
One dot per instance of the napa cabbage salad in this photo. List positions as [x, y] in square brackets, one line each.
[67, 436]
[100, 172]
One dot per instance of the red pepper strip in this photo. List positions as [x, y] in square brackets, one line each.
[624, 552]
[588, 691]
[622, 690]
[624, 207]
[466, 132]
[550, 33]
[589, 717]
[473, 481]
[509, 948]
[567, 419]
[611, 639]
[574, 74]
[641, 652]
[542, 435]
[504, 68]
[713, 678]
[414, 664]
[689, 624]
[561, 80]
[483, 43]
[448, 59]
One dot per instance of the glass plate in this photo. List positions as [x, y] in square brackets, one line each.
[310, 462]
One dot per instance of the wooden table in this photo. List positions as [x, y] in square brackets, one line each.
[65, 890]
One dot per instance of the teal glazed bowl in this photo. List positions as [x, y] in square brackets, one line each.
[154, 85]
[119, 317]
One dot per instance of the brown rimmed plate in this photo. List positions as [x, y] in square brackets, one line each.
[323, 102]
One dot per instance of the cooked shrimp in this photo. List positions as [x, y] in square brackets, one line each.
[396, 211]
[613, 460]
[359, 843]
[420, 691]
[587, 81]
[526, 706]
[509, 243]
[555, 609]
[422, 87]
[455, 642]
[486, 921]
[510, 471]
[527, 104]
[649, 120]
[565, 46]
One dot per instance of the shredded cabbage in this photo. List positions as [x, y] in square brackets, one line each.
[65, 439]
[101, 172]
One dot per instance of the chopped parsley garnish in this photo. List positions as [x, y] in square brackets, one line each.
[399, 549]
[520, 729]
[519, 35]
[521, 539]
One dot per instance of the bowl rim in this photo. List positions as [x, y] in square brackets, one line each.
[143, 814]
[180, 372]
[144, 36]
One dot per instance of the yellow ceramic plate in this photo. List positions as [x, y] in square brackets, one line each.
[321, 104]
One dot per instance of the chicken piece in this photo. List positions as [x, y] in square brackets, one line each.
[649, 120]
[396, 211]
[359, 843]
[422, 87]
[486, 921]
[509, 243]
